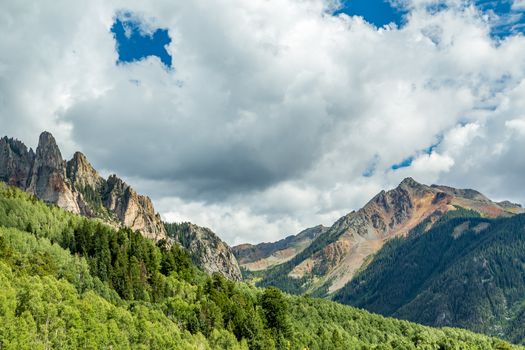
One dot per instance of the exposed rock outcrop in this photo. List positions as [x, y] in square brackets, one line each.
[207, 250]
[48, 179]
[82, 174]
[510, 206]
[15, 162]
[134, 210]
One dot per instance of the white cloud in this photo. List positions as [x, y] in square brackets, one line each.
[274, 109]
[518, 5]
[517, 125]
[232, 223]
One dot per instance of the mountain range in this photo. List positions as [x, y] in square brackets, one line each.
[77, 187]
[434, 254]
[71, 282]
[331, 259]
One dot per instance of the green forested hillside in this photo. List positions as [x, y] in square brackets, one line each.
[465, 272]
[72, 283]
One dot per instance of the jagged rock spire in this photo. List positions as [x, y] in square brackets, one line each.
[82, 174]
[48, 176]
[48, 151]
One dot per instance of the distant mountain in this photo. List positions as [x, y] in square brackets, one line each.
[466, 271]
[206, 249]
[78, 188]
[333, 258]
[263, 255]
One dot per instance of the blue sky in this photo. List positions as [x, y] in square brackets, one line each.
[507, 21]
[133, 44]
[407, 162]
[377, 12]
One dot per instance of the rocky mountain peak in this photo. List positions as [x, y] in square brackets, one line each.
[115, 185]
[334, 256]
[409, 182]
[312, 232]
[82, 174]
[263, 255]
[509, 205]
[48, 180]
[206, 249]
[47, 152]
[15, 146]
[399, 198]
[463, 193]
[134, 210]
[411, 185]
[76, 186]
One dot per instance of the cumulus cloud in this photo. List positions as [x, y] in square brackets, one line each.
[274, 110]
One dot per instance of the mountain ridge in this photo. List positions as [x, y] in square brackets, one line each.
[332, 259]
[76, 186]
[263, 255]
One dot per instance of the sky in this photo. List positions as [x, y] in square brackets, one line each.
[261, 118]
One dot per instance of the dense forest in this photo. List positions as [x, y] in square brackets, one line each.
[73, 283]
[466, 272]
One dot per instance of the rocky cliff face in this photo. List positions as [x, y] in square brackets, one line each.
[47, 179]
[264, 255]
[207, 250]
[333, 258]
[132, 209]
[82, 174]
[76, 186]
[15, 162]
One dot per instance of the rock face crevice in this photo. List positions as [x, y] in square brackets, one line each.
[76, 186]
